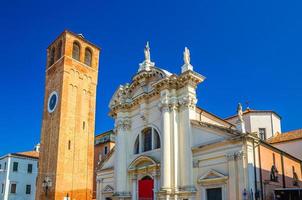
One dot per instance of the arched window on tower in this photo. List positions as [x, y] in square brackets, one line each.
[52, 56]
[147, 140]
[88, 57]
[76, 51]
[59, 53]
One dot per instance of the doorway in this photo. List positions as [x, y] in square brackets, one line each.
[214, 194]
[145, 188]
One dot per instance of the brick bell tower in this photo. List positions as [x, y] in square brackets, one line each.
[67, 136]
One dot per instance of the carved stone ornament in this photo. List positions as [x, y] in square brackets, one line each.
[235, 156]
[123, 124]
[187, 102]
[122, 96]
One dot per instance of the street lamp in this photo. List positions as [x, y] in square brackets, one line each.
[47, 183]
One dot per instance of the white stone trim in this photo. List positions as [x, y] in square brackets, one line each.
[223, 190]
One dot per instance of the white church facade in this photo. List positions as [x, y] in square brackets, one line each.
[168, 148]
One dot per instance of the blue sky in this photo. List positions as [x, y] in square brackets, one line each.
[248, 50]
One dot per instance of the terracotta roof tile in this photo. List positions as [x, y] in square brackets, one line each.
[288, 136]
[33, 154]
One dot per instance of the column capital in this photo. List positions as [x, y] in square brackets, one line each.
[235, 156]
[163, 106]
[188, 101]
[123, 124]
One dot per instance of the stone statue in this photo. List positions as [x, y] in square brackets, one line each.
[187, 56]
[147, 53]
[239, 112]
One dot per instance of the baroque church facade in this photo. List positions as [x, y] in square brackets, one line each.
[168, 148]
[165, 146]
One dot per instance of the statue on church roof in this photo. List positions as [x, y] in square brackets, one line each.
[147, 53]
[187, 58]
[147, 63]
[187, 61]
[239, 112]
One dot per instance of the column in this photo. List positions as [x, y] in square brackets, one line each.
[175, 140]
[99, 187]
[166, 147]
[233, 183]
[120, 166]
[241, 167]
[155, 187]
[134, 188]
[186, 157]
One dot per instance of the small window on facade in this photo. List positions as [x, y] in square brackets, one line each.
[156, 139]
[262, 133]
[84, 124]
[0, 166]
[105, 150]
[29, 168]
[5, 166]
[52, 56]
[76, 51]
[2, 188]
[69, 144]
[88, 57]
[13, 188]
[59, 55]
[147, 139]
[136, 146]
[28, 189]
[15, 167]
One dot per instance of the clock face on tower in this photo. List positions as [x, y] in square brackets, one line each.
[52, 101]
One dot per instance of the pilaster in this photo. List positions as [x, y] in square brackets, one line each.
[166, 147]
[122, 127]
[185, 130]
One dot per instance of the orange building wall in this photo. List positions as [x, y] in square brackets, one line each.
[67, 138]
[99, 149]
[266, 159]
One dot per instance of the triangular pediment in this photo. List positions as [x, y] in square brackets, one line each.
[212, 175]
[108, 189]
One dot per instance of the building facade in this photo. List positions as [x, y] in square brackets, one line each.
[290, 142]
[18, 174]
[67, 138]
[102, 146]
[168, 148]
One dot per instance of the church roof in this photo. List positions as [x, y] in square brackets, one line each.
[248, 110]
[107, 136]
[201, 111]
[30, 154]
[287, 136]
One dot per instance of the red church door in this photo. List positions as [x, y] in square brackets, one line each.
[145, 188]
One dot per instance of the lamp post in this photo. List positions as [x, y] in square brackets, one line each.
[47, 183]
